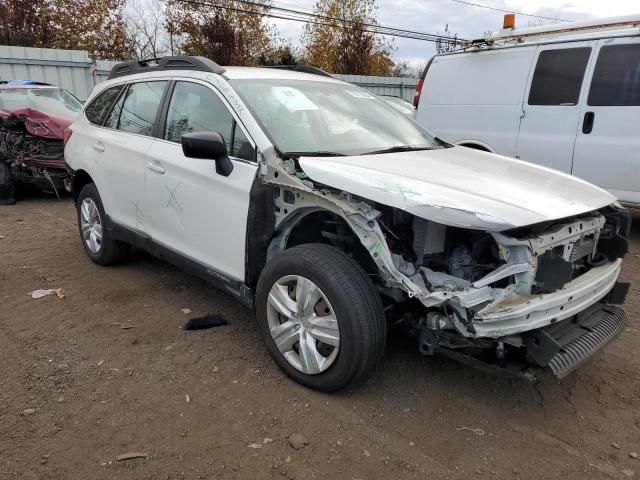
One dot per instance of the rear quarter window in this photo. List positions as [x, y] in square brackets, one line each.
[100, 105]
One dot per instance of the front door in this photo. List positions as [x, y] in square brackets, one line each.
[551, 109]
[607, 151]
[193, 210]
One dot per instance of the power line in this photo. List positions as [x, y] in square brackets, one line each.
[316, 19]
[328, 18]
[509, 11]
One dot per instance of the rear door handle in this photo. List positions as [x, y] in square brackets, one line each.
[155, 167]
[587, 124]
[98, 147]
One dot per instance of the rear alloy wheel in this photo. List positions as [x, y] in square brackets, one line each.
[96, 238]
[91, 225]
[320, 316]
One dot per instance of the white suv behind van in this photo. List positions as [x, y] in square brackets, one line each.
[335, 216]
[565, 96]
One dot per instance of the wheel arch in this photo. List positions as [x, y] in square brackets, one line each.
[476, 145]
[316, 224]
[79, 179]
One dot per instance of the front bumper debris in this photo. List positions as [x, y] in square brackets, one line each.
[521, 313]
[565, 345]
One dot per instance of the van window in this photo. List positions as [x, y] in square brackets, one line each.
[96, 111]
[136, 111]
[196, 108]
[616, 78]
[558, 76]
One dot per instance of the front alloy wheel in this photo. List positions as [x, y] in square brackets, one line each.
[320, 316]
[303, 324]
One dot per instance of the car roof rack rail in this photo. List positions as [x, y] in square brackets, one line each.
[178, 62]
[303, 69]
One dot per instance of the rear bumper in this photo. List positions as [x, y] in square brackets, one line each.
[566, 345]
[518, 314]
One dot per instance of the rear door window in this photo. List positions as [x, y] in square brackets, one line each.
[616, 77]
[98, 108]
[136, 110]
[558, 75]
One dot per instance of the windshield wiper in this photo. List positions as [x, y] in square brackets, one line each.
[398, 148]
[312, 154]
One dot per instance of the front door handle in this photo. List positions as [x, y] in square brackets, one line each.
[154, 167]
[587, 124]
[99, 147]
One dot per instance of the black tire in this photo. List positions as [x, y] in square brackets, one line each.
[7, 189]
[356, 304]
[112, 251]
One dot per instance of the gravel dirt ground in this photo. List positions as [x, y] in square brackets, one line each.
[108, 371]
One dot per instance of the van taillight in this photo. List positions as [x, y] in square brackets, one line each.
[416, 97]
[67, 135]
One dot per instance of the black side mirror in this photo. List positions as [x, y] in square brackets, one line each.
[208, 146]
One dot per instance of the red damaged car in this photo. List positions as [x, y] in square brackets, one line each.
[33, 117]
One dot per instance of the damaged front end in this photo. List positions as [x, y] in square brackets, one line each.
[502, 299]
[532, 295]
[32, 150]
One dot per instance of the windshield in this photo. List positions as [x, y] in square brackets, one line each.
[55, 101]
[399, 104]
[307, 117]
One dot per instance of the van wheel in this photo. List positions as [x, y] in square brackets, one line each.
[474, 146]
[96, 238]
[320, 316]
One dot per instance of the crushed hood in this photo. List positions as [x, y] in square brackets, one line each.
[460, 186]
[38, 123]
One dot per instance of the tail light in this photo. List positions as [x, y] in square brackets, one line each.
[67, 135]
[416, 97]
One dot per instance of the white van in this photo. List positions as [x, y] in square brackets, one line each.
[565, 96]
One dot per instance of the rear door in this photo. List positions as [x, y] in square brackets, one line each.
[607, 151]
[551, 107]
[120, 146]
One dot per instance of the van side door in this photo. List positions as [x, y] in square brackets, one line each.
[607, 151]
[551, 105]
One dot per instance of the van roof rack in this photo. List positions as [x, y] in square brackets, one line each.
[510, 33]
[303, 69]
[178, 62]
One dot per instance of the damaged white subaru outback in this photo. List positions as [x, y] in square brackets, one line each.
[336, 218]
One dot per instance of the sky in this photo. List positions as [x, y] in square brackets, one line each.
[430, 16]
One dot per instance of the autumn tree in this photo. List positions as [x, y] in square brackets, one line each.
[227, 31]
[93, 25]
[280, 54]
[342, 39]
[21, 23]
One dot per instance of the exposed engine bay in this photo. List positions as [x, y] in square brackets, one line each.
[31, 159]
[534, 295]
